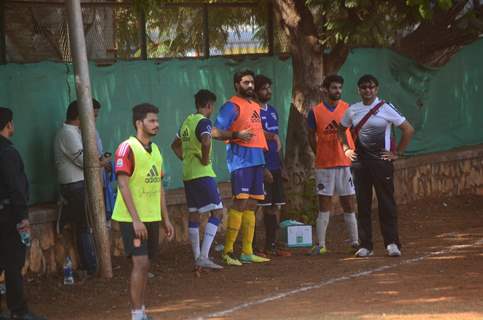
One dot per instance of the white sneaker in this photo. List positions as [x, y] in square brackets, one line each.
[207, 263]
[393, 250]
[363, 252]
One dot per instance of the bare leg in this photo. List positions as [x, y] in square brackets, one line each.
[139, 276]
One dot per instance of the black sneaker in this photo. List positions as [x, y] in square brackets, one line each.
[354, 247]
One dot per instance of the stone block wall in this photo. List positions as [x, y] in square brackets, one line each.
[50, 248]
[449, 173]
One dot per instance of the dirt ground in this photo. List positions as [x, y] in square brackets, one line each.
[439, 276]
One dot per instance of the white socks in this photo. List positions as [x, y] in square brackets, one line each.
[322, 223]
[137, 314]
[209, 236]
[194, 236]
[210, 232]
[351, 224]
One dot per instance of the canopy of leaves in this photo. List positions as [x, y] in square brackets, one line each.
[176, 28]
[429, 31]
[359, 23]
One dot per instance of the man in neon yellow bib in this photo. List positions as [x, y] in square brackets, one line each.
[141, 205]
[193, 145]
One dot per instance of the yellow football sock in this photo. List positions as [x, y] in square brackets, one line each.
[233, 226]
[248, 231]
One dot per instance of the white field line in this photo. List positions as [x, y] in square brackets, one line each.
[335, 280]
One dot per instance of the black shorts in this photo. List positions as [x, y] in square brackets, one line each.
[274, 195]
[149, 247]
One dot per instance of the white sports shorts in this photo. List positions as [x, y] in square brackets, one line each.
[334, 182]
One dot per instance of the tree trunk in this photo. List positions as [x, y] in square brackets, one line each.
[307, 60]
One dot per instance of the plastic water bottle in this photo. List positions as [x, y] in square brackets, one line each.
[3, 289]
[24, 235]
[68, 273]
[166, 181]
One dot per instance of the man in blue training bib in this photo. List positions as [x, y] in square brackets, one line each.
[274, 195]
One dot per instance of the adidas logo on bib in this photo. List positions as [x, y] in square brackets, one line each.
[185, 135]
[255, 117]
[331, 128]
[152, 176]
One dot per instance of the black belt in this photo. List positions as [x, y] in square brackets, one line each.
[72, 186]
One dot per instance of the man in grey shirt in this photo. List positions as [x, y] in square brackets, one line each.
[374, 162]
[69, 161]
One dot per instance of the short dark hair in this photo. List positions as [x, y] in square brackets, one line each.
[96, 104]
[331, 79]
[261, 80]
[140, 111]
[6, 115]
[367, 78]
[73, 109]
[240, 74]
[202, 97]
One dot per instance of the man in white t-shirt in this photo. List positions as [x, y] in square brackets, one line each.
[69, 162]
[372, 163]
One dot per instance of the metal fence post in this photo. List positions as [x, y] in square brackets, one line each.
[270, 35]
[3, 45]
[142, 34]
[206, 32]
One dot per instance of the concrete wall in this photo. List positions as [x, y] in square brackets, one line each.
[448, 173]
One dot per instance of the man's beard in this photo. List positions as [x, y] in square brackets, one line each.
[150, 134]
[264, 99]
[248, 93]
[334, 97]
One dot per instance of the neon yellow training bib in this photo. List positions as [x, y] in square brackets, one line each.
[192, 167]
[144, 184]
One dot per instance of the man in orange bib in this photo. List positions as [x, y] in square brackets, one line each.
[239, 121]
[332, 167]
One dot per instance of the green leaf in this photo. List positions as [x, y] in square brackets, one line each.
[351, 4]
[330, 26]
[425, 10]
[445, 4]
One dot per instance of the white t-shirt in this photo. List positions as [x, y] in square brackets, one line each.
[68, 154]
[375, 134]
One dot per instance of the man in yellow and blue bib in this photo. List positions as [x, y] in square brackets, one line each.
[193, 145]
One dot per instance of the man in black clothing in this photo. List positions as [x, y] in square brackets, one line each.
[13, 217]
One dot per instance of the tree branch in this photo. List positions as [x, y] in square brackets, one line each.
[336, 58]
[434, 42]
